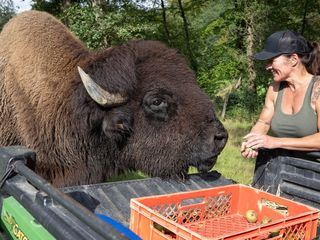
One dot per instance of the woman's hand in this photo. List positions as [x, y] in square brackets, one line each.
[253, 141]
[257, 140]
[248, 152]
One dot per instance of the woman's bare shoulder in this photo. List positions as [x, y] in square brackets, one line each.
[274, 86]
[273, 91]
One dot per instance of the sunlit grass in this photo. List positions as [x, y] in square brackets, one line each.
[128, 176]
[230, 162]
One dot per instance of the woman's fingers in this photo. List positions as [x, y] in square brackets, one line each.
[252, 153]
[243, 147]
[255, 144]
[255, 141]
[252, 141]
[249, 153]
[249, 135]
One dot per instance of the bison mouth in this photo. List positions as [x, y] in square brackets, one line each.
[207, 164]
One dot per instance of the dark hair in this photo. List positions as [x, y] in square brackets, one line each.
[311, 60]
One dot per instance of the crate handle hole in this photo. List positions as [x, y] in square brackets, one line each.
[282, 209]
[164, 230]
[191, 201]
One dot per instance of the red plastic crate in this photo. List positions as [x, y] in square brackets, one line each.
[218, 213]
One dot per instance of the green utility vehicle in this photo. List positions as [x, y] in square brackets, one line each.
[31, 208]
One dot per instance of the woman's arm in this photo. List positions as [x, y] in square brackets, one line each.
[308, 143]
[262, 126]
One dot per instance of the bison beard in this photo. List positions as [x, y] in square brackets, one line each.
[92, 115]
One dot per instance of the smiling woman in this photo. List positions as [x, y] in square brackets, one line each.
[292, 104]
[288, 127]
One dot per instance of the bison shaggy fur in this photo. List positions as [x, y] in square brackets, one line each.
[164, 125]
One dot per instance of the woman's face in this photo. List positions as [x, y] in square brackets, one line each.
[280, 67]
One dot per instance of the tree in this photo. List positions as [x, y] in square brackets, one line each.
[6, 12]
[218, 37]
[103, 25]
[187, 34]
[220, 53]
[164, 18]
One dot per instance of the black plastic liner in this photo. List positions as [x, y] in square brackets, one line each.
[291, 174]
[113, 199]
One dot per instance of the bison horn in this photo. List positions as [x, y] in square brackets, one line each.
[98, 94]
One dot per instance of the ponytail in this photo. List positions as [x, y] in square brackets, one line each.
[312, 60]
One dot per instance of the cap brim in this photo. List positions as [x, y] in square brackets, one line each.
[265, 55]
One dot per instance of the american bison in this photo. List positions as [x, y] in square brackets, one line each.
[91, 115]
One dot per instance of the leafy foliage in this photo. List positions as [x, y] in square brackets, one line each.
[6, 12]
[222, 61]
[218, 37]
[98, 29]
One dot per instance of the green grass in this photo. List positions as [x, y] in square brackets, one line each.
[230, 162]
[128, 176]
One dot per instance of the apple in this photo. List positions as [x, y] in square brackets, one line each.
[251, 216]
[265, 220]
[274, 233]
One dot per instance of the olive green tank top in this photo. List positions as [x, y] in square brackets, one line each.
[300, 124]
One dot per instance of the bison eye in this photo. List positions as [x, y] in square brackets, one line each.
[158, 104]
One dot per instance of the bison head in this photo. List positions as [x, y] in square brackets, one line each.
[135, 106]
[151, 111]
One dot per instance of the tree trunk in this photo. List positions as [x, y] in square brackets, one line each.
[187, 35]
[66, 3]
[225, 103]
[226, 98]
[96, 3]
[249, 53]
[304, 16]
[165, 24]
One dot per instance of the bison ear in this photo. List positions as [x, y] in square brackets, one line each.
[117, 124]
[98, 94]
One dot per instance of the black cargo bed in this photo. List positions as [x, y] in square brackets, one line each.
[63, 216]
[113, 199]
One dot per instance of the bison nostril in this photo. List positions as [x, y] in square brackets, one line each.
[221, 136]
[220, 139]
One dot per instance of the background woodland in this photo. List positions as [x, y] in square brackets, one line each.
[217, 37]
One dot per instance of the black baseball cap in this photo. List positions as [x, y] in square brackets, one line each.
[283, 42]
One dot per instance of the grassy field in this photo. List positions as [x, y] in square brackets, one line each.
[230, 163]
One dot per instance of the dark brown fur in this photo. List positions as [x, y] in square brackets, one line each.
[45, 106]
